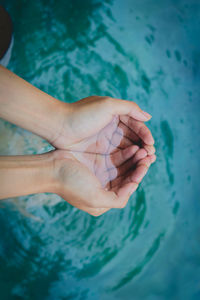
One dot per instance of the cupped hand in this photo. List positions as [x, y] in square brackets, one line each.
[78, 185]
[109, 150]
[114, 151]
[85, 118]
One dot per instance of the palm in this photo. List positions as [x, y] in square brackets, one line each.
[113, 153]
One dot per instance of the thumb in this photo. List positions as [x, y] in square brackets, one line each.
[125, 107]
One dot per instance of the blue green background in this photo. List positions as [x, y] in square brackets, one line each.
[146, 51]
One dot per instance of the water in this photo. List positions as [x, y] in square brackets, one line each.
[147, 51]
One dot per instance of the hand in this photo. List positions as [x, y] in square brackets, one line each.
[82, 189]
[60, 123]
[112, 153]
[85, 118]
[73, 127]
[117, 149]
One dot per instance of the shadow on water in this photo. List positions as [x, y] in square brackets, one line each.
[136, 216]
[168, 148]
[138, 269]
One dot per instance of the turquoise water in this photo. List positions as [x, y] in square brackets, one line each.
[144, 50]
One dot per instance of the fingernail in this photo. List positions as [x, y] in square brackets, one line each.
[148, 116]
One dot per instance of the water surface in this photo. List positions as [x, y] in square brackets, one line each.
[146, 51]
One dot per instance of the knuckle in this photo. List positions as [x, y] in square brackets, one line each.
[142, 130]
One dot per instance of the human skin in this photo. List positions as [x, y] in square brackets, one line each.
[60, 173]
[79, 130]
[63, 124]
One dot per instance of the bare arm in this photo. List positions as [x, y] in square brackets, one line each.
[69, 126]
[28, 107]
[62, 124]
[60, 173]
[23, 175]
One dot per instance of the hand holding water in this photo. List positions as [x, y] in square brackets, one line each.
[108, 158]
[105, 148]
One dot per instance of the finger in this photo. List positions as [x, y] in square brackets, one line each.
[125, 131]
[117, 165]
[133, 137]
[153, 158]
[125, 167]
[139, 128]
[125, 107]
[119, 157]
[132, 181]
[140, 154]
[126, 178]
[116, 175]
[150, 149]
[142, 167]
[120, 141]
[126, 190]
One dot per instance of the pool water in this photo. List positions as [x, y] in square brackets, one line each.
[143, 50]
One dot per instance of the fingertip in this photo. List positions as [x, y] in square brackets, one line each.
[138, 114]
[151, 140]
[140, 172]
[148, 139]
[150, 149]
[153, 158]
[134, 149]
[130, 151]
[147, 115]
[140, 154]
[145, 161]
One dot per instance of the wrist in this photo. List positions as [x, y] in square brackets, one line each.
[61, 172]
[23, 175]
[43, 173]
[57, 119]
[30, 108]
[51, 172]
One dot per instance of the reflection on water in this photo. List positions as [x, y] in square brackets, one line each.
[138, 51]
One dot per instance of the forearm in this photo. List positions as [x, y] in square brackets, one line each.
[23, 175]
[28, 107]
